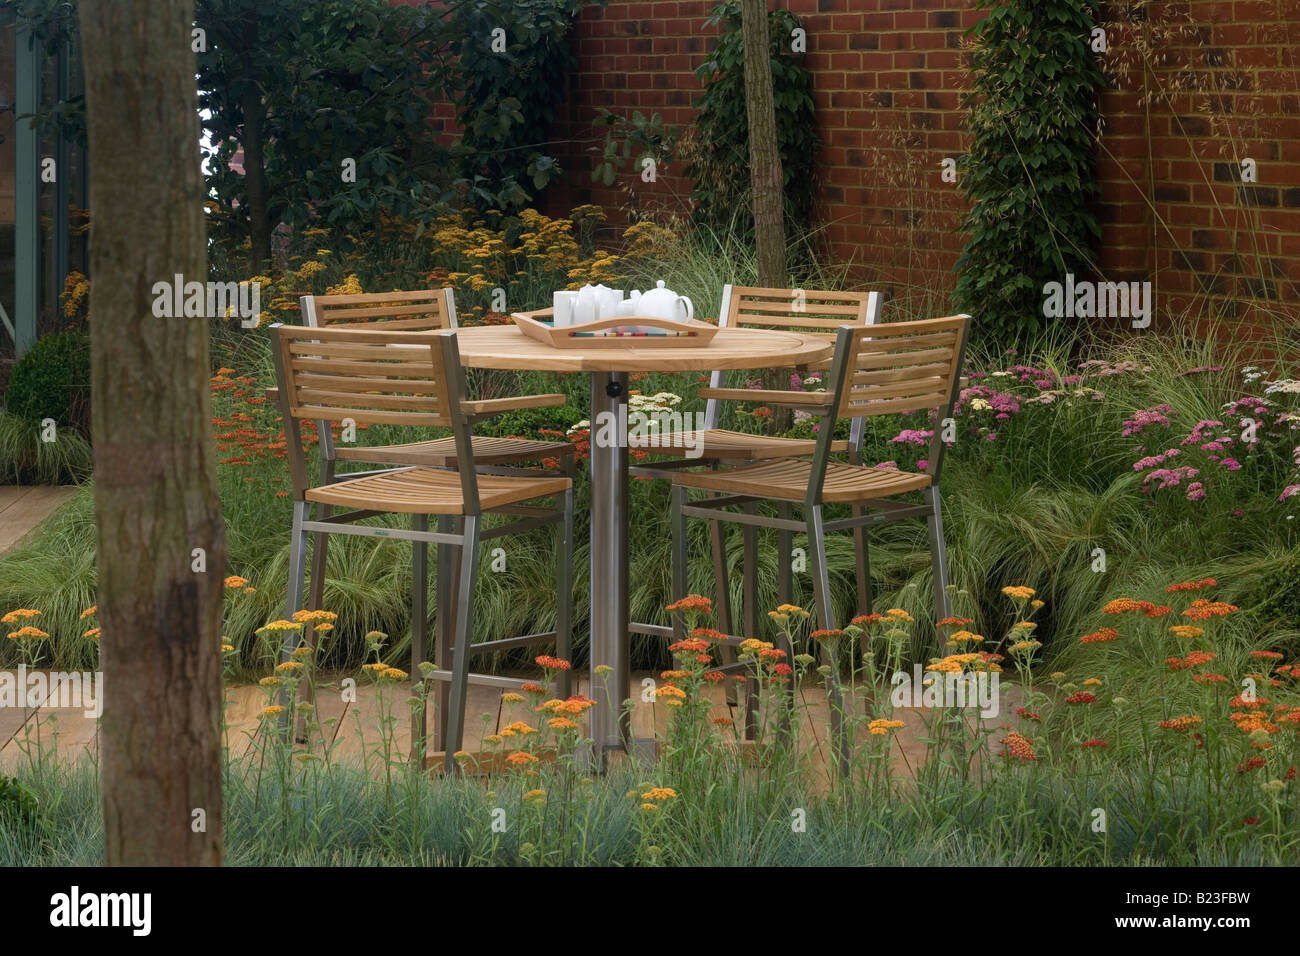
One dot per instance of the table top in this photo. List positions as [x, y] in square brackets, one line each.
[505, 347]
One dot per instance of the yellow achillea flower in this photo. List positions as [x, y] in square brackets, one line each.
[393, 673]
[271, 681]
[649, 808]
[281, 625]
[227, 648]
[1035, 604]
[1019, 592]
[374, 666]
[881, 726]
[1057, 675]
[535, 795]
[660, 793]
[93, 609]
[961, 637]
[753, 645]
[21, 614]
[898, 614]
[512, 697]
[519, 727]
[1024, 625]
[670, 690]
[272, 711]
[1186, 630]
[1092, 682]
[289, 667]
[314, 617]
[302, 651]
[493, 739]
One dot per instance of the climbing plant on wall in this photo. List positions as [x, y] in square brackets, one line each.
[1030, 174]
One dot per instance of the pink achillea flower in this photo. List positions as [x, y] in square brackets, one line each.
[1195, 491]
[1156, 415]
[913, 436]
[1231, 464]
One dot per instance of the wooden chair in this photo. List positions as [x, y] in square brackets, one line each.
[427, 310]
[877, 370]
[816, 312]
[414, 378]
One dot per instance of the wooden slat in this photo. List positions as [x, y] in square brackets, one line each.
[406, 370]
[772, 395]
[377, 310]
[396, 354]
[878, 346]
[914, 404]
[344, 383]
[785, 306]
[322, 397]
[916, 359]
[406, 325]
[359, 297]
[917, 372]
[924, 386]
[791, 322]
[370, 416]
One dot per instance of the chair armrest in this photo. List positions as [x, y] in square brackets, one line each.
[766, 396]
[495, 406]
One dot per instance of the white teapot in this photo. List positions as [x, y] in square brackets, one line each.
[661, 303]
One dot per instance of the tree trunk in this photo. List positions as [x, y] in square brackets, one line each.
[155, 475]
[259, 223]
[767, 181]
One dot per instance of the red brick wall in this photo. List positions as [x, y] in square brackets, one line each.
[1196, 89]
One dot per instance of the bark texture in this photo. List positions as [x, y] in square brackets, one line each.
[155, 472]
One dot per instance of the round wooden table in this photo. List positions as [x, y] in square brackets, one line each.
[505, 347]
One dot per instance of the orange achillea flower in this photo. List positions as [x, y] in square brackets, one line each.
[1017, 746]
[280, 625]
[520, 759]
[546, 662]
[713, 677]
[692, 602]
[955, 622]
[1019, 591]
[709, 634]
[1155, 611]
[691, 645]
[752, 645]
[521, 728]
[93, 634]
[771, 653]
[235, 581]
[289, 666]
[27, 631]
[828, 634]
[1209, 678]
[561, 723]
[660, 793]
[1124, 605]
[670, 691]
[958, 638]
[531, 688]
[21, 614]
[898, 614]
[1186, 630]
[1186, 722]
[673, 675]
[1203, 610]
[1191, 585]
[866, 620]
[1267, 655]
[881, 726]
[1094, 743]
[1100, 635]
[94, 609]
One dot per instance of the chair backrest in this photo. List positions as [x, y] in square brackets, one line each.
[371, 376]
[812, 311]
[893, 368]
[421, 311]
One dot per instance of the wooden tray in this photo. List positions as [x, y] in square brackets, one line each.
[606, 334]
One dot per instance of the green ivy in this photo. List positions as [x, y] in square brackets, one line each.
[508, 98]
[1030, 175]
[719, 158]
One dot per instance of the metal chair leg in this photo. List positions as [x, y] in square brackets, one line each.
[784, 557]
[419, 639]
[749, 540]
[722, 599]
[293, 596]
[564, 593]
[464, 636]
[826, 619]
[677, 529]
[938, 556]
[315, 598]
[444, 620]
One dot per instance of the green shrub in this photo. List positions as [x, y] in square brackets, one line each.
[53, 381]
[1278, 593]
[18, 807]
[1030, 175]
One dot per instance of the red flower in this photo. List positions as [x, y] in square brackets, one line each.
[1081, 697]
[546, 662]
[1191, 585]
[1094, 743]
[1254, 763]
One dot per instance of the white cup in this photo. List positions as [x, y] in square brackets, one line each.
[563, 305]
